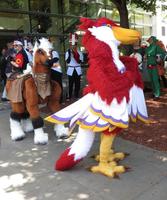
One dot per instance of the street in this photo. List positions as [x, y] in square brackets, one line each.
[27, 171]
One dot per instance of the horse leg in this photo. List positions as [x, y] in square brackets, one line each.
[31, 98]
[16, 115]
[40, 137]
[54, 105]
[26, 122]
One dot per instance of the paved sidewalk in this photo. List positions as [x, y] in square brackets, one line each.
[27, 171]
[4, 105]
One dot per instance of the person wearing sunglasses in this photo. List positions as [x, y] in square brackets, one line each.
[20, 62]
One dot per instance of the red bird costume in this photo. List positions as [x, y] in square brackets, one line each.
[113, 96]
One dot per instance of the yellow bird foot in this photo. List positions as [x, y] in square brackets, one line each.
[113, 156]
[117, 156]
[108, 169]
[112, 164]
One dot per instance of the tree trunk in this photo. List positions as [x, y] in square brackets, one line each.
[123, 12]
[124, 21]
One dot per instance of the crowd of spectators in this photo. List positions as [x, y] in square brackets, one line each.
[17, 48]
[151, 56]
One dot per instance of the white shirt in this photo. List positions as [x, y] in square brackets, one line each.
[74, 65]
[29, 64]
[29, 55]
[58, 68]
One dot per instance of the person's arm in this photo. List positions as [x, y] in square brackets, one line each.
[161, 52]
[18, 62]
[55, 60]
[14, 64]
[68, 56]
[55, 56]
[81, 57]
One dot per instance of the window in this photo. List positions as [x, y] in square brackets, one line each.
[163, 30]
[15, 4]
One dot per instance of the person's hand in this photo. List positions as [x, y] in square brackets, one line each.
[145, 57]
[14, 64]
[50, 54]
[55, 65]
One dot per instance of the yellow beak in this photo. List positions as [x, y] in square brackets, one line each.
[126, 36]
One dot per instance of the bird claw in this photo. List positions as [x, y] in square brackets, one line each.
[116, 176]
[126, 154]
[128, 169]
[88, 168]
[93, 156]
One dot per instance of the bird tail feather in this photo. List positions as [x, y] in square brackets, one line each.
[77, 151]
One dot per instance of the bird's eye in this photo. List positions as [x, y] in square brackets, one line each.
[109, 25]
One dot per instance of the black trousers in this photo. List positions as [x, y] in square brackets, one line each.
[56, 76]
[74, 81]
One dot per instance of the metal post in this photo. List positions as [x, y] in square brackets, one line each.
[29, 9]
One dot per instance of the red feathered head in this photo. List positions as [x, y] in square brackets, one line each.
[106, 30]
[107, 73]
[88, 23]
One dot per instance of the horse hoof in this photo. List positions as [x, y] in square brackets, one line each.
[19, 139]
[40, 143]
[41, 139]
[63, 137]
[60, 131]
[27, 125]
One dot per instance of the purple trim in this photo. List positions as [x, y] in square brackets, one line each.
[102, 125]
[133, 115]
[138, 113]
[78, 119]
[73, 123]
[62, 119]
[71, 127]
[109, 117]
[92, 123]
[144, 117]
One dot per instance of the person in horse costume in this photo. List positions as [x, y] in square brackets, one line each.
[26, 91]
[114, 95]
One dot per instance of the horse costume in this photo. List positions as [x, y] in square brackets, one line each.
[113, 96]
[26, 91]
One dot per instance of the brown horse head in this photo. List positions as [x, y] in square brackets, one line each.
[41, 62]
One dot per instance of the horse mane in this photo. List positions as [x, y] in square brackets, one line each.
[41, 53]
[43, 44]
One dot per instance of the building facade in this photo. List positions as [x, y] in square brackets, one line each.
[160, 22]
[57, 18]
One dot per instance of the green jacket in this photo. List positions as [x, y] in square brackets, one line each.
[151, 53]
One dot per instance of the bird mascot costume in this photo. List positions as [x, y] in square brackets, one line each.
[114, 95]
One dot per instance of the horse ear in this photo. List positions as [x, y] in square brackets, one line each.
[38, 42]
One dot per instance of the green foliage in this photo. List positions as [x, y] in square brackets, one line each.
[147, 5]
[16, 4]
